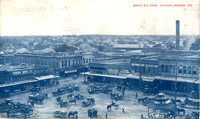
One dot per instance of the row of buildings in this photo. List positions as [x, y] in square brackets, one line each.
[154, 69]
[136, 66]
[22, 72]
[133, 65]
[149, 67]
[48, 63]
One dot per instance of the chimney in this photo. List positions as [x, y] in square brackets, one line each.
[177, 34]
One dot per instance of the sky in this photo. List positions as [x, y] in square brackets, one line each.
[111, 17]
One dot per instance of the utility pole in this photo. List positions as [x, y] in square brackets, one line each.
[54, 68]
[140, 76]
[176, 86]
[84, 74]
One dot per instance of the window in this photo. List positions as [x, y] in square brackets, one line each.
[149, 70]
[180, 69]
[154, 70]
[135, 68]
[162, 68]
[65, 63]
[143, 70]
[166, 68]
[189, 70]
[62, 62]
[184, 70]
[171, 69]
[194, 70]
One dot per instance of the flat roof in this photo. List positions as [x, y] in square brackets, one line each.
[144, 78]
[17, 83]
[111, 62]
[126, 46]
[15, 68]
[179, 79]
[147, 78]
[104, 75]
[46, 77]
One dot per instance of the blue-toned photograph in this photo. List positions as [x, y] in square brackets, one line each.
[99, 59]
[100, 76]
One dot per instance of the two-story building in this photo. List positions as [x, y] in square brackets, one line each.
[47, 63]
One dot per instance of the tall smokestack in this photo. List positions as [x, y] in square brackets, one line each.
[177, 34]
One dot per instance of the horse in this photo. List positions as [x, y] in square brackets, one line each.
[72, 101]
[181, 110]
[75, 87]
[85, 104]
[79, 97]
[63, 104]
[111, 105]
[58, 99]
[70, 96]
[144, 100]
[72, 114]
[92, 100]
[60, 114]
[36, 98]
[116, 96]
[113, 95]
[44, 96]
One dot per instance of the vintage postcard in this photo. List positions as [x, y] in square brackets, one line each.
[99, 59]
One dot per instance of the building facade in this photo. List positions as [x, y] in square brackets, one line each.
[47, 62]
[10, 73]
[181, 66]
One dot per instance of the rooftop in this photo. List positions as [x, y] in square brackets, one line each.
[47, 77]
[9, 67]
[126, 46]
[113, 61]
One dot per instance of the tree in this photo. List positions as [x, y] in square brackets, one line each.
[64, 47]
[195, 45]
[101, 48]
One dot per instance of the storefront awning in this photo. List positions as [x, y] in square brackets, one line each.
[18, 83]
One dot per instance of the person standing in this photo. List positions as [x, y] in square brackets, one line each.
[123, 111]
[106, 116]
[142, 116]
[8, 113]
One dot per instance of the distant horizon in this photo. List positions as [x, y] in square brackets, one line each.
[100, 35]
